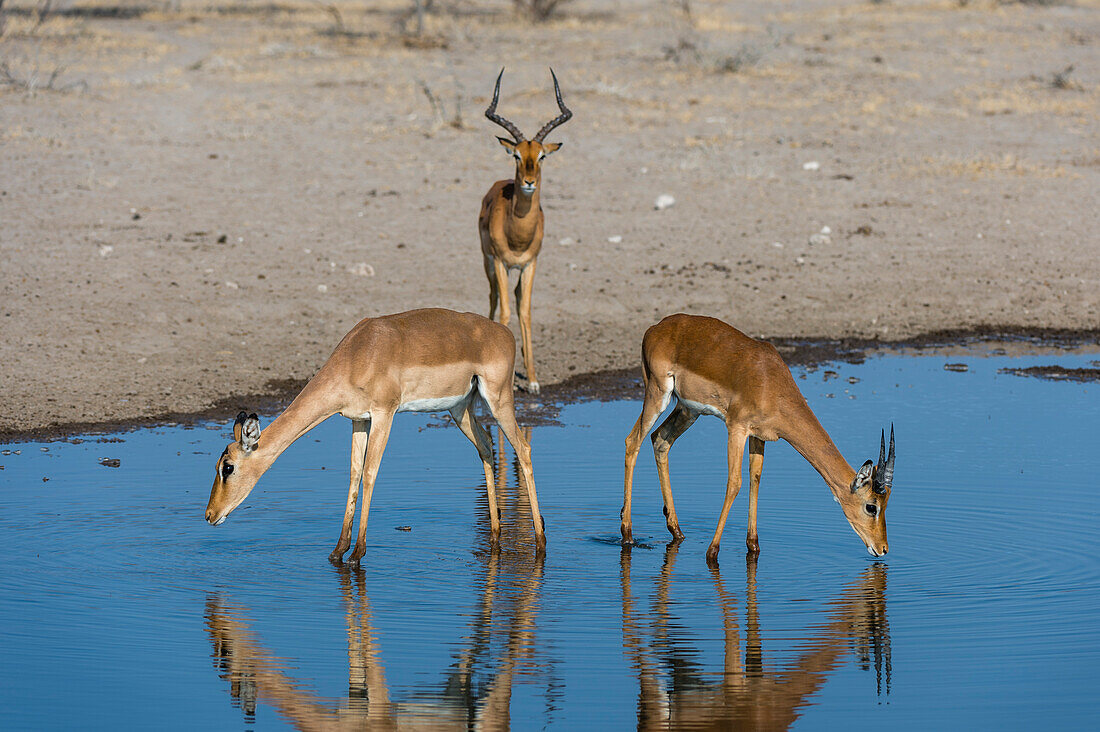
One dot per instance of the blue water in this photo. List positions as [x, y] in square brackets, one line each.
[120, 606]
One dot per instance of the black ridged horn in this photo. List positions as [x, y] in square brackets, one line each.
[493, 116]
[884, 474]
[561, 119]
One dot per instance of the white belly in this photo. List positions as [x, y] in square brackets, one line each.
[699, 408]
[440, 404]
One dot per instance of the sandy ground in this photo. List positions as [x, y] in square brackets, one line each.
[211, 195]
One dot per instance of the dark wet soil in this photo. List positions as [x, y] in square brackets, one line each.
[617, 384]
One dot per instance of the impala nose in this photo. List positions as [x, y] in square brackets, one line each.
[209, 516]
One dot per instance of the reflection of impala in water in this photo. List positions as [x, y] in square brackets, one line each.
[751, 694]
[509, 602]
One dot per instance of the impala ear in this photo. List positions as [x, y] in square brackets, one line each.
[509, 145]
[246, 431]
[863, 476]
[550, 147]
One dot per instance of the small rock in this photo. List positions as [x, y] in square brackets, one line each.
[777, 244]
[955, 367]
[110, 462]
[820, 239]
[567, 241]
[361, 269]
[232, 285]
[615, 239]
[105, 249]
[664, 201]
[322, 288]
[800, 260]
[223, 239]
[811, 165]
[826, 230]
[403, 528]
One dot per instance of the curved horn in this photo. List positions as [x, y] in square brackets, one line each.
[561, 119]
[886, 464]
[494, 117]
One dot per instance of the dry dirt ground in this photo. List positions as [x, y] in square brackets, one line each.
[198, 200]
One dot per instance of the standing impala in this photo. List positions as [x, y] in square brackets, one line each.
[421, 361]
[510, 222]
[713, 368]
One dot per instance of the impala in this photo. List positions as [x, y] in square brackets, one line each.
[420, 361]
[510, 222]
[713, 368]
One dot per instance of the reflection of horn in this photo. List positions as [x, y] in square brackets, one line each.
[750, 695]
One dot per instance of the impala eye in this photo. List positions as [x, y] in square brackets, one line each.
[871, 509]
[227, 470]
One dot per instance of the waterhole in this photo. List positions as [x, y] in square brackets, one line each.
[120, 606]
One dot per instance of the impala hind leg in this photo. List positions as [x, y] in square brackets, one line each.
[656, 399]
[756, 467]
[360, 429]
[463, 416]
[376, 445]
[498, 397]
[735, 451]
[663, 439]
[523, 307]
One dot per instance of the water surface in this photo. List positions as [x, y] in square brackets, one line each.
[120, 606]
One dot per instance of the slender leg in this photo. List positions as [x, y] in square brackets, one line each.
[501, 403]
[656, 399]
[523, 306]
[735, 450]
[376, 445]
[663, 439]
[494, 291]
[463, 416]
[360, 429]
[502, 287]
[756, 466]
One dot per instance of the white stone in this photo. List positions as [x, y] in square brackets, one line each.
[664, 201]
[811, 165]
[322, 288]
[615, 239]
[567, 241]
[362, 269]
[777, 244]
[232, 285]
[105, 249]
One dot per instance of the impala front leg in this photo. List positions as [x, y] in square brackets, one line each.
[523, 305]
[359, 431]
[735, 451]
[501, 271]
[494, 290]
[376, 445]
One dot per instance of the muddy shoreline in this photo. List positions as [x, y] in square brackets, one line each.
[625, 383]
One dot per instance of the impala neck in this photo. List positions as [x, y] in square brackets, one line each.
[309, 409]
[811, 440]
[524, 207]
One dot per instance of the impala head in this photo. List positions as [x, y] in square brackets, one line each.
[865, 505]
[237, 470]
[528, 154]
